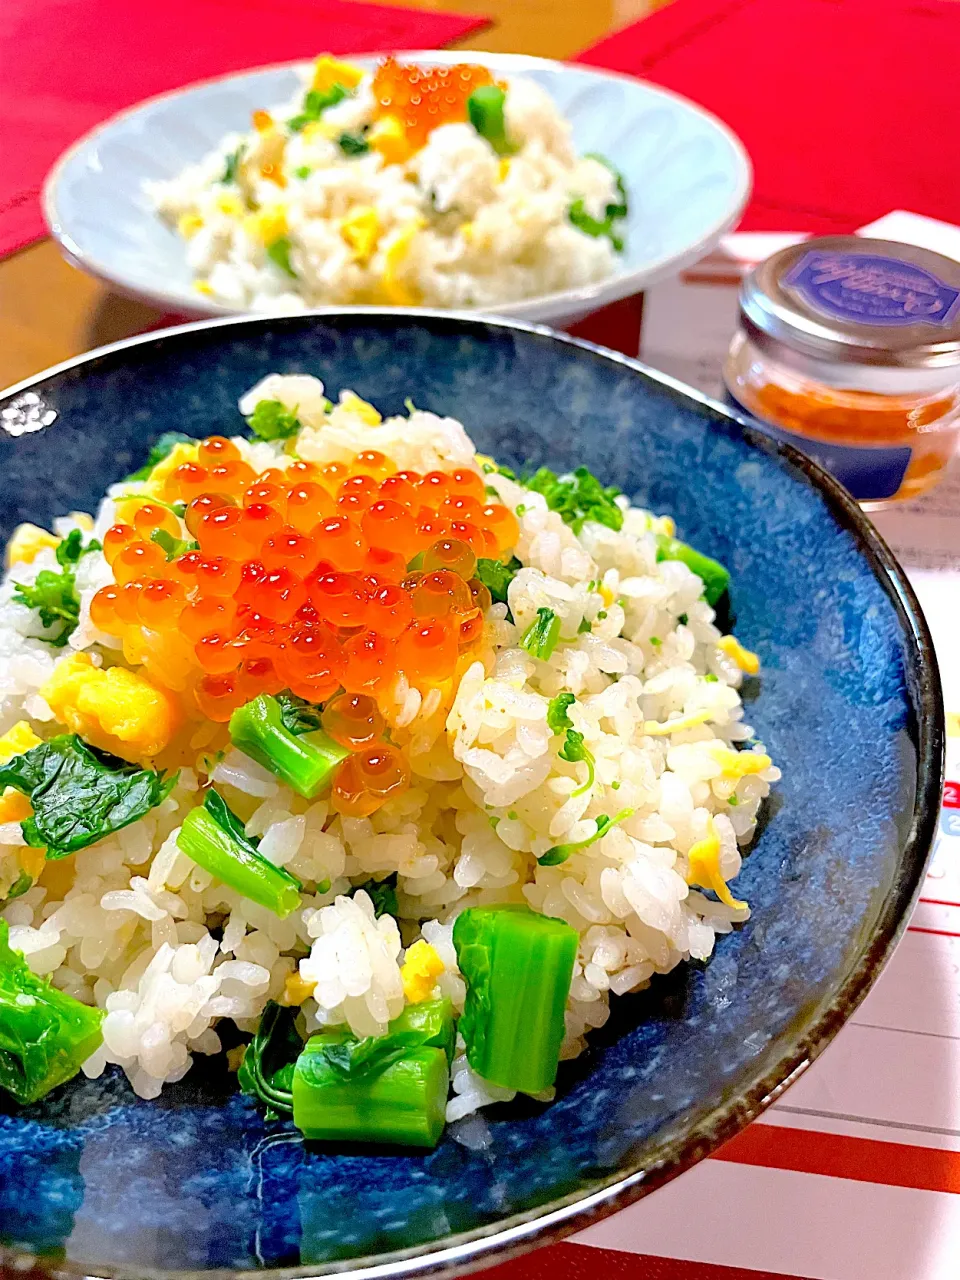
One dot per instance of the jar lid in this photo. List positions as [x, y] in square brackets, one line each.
[858, 301]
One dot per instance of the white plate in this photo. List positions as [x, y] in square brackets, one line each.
[687, 177]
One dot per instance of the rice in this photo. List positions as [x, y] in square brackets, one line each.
[451, 224]
[132, 925]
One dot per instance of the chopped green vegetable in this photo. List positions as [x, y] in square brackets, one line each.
[79, 794]
[732, 799]
[45, 1035]
[232, 165]
[391, 1088]
[540, 638]
[267, 1068]
[214, 838]
[298, 715]
[279, 253]
[602, 615]
[315, 102]
[410, 407]
[19, 887]
[270, 420]
[613, 213]
[578, 498]
[496, 576]
[161, 448]
[557, 718]
[614, 786]
[55, 595]
[302, 171]
[353, 144]
[715, 577]
[656, 641]
[513, 1027]
[170, 546]
[683, 619]
[304, 760]
[575, 751]
[485, 113]
[382, 893]
[710, 678]
[561, 852]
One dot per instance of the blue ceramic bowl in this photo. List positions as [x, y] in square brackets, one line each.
[848, 703]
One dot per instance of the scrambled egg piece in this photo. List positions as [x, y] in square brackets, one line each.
[14, 807]
[656, 728]
[361, 229]
[744, 658]
[229, 204]
[262, 121]
[397, 292]
[27, 542]
[161, 473]
[738, 764]
[296, 989]
[268, 225]
[319, 129]
[17, 740]
[421, 969]
[361, 409]
[503, 168]
[389, 137]
[114, 709]
[704, 862]
[188, 224]
[204, 287]
[328, 71]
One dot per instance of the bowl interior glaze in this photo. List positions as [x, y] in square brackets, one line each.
[847, 704]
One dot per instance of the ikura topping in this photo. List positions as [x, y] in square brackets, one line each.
[421, 98]
[303, 580]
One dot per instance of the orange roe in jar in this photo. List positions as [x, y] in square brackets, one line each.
[421, 98]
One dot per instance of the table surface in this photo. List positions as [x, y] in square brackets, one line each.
[50, 311]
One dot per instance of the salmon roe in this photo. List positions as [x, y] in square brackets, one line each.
[422, 98]
[326, 580]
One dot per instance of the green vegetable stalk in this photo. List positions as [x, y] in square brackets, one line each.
[613, 213]
[518, 966]
[79, 794]
[214, 838]
[390, 1088]
[267, 1068]
[714, 575]
[305, 761]
[575, 751]
[45, 1035]
[279, 253]
[315, 102]
[561, 852]
[540, 638]
[485, 112]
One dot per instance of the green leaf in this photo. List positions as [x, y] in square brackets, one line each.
[271, 420]
[79, 794]
[54, 596]
[427, 1023]
[620, 208]
[382, 893]
[353, 144]
[578, 498]
[315, 102]
[267, 1068]
[279, 253]
[496, 576]
[485, 112]
[561, 852]
[298, 715]
[577, 214]
[576, 752]
[232, 165]
[172, 547]
[540, 638]
[162, 447]
[45, 1034]
[557, 718]
[71, 549]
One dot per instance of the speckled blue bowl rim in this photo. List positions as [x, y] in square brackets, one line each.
[548, 1224]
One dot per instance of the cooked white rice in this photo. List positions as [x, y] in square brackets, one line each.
[132, 925]
[454, 225]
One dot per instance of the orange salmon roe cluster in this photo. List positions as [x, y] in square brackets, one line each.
[422, 98]
[300, 581]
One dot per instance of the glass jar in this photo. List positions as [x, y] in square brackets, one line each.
[850, 349]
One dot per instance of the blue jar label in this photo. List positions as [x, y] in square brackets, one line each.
[871, 289]
[871, 474]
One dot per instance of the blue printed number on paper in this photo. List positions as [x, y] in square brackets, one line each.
[871, 289]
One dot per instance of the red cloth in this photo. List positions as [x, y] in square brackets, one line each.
[65, 65]
[587, 1262]
[826, 95]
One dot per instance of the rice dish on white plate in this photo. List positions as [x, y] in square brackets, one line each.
[409, 185]
[574, 743]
